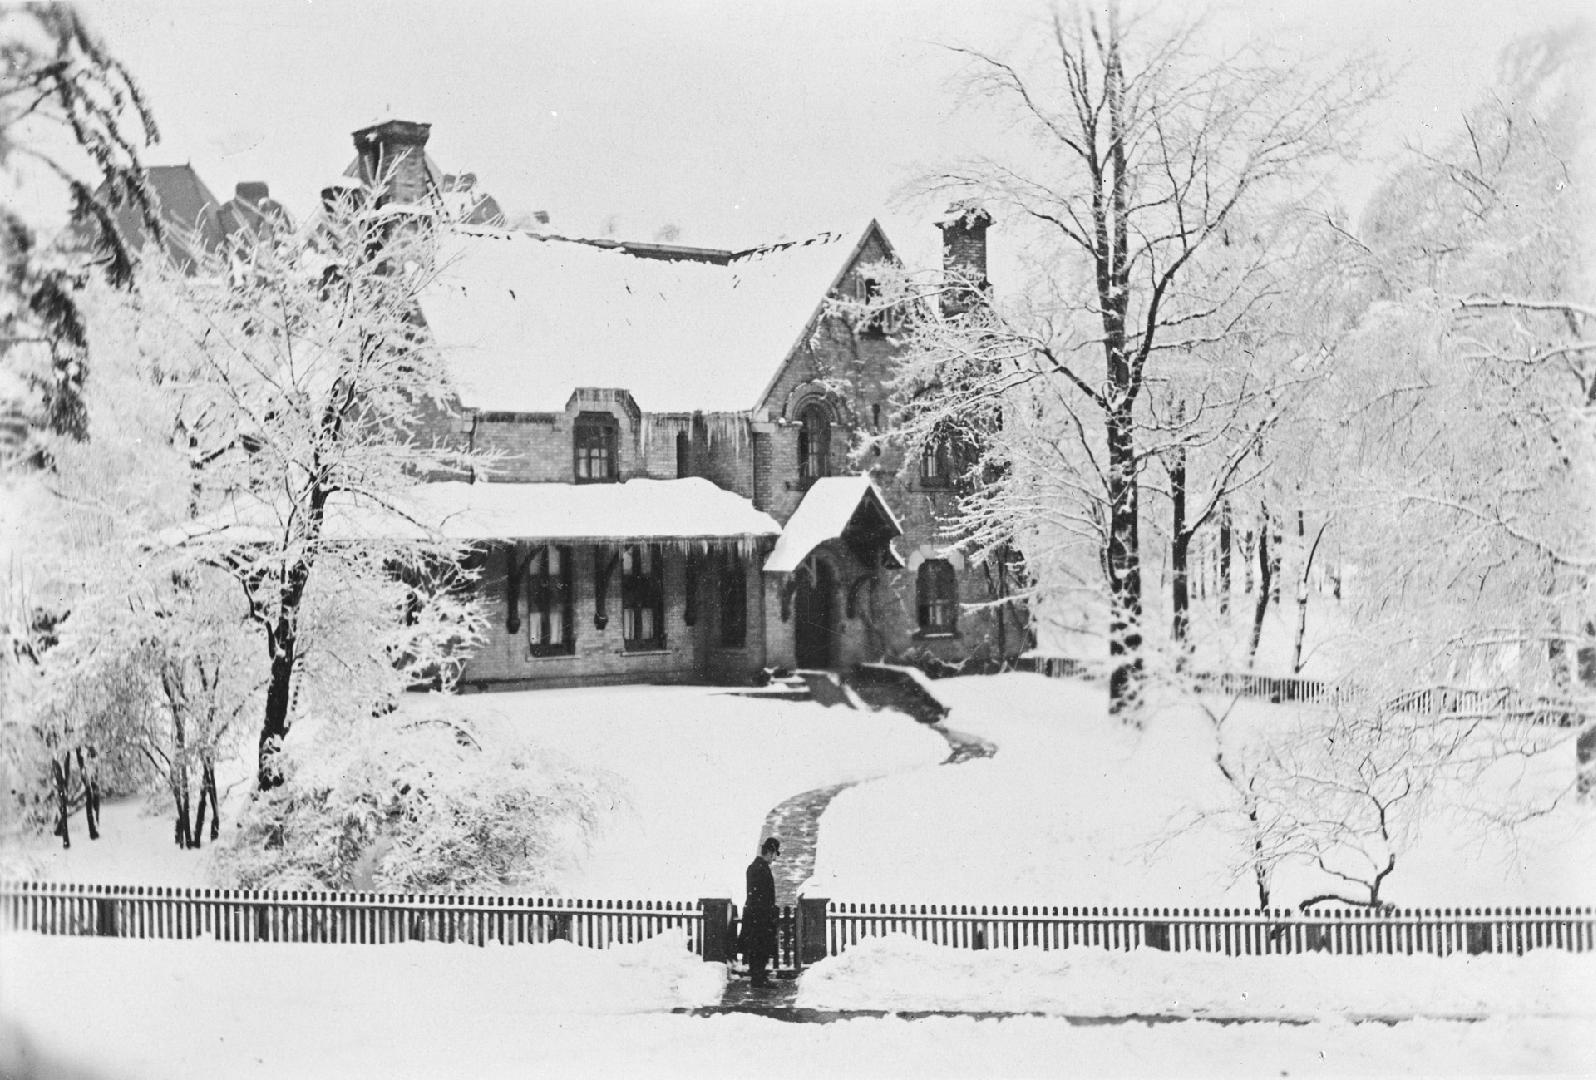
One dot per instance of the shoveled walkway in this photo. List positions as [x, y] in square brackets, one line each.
[797, 822]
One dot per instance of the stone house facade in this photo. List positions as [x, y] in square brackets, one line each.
[677, 493]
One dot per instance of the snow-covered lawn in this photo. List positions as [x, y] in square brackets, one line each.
[170, 1010]
[1076, 808]
[694, 769]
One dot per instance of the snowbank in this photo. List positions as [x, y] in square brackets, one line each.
[912, 974]
[137, 1010]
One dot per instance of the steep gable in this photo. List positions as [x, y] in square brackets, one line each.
[798, 366]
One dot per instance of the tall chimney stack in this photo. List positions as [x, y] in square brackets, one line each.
[395, 151]
[963, 255]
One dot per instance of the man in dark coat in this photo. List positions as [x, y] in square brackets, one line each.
[759, 914]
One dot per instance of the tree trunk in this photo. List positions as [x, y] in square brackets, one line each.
[60, 777]
[1124, 569]
[207, 794]
[1277, 547]
[1179, 546]
[1260, 606]
[283, 645]
[1224, 557]
[269, 772]
[1302, 599]
[91, 795]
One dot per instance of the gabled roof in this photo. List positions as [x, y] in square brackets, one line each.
[833, 507]
[188, 209]
[524, 319]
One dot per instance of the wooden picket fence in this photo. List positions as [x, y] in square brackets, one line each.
[810, 931]
[139, 911]
[1231, 932]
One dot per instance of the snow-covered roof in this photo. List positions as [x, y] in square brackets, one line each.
[524, 319]
[684, 510]
[828, 508]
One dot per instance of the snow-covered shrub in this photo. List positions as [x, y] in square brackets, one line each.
[411, 804]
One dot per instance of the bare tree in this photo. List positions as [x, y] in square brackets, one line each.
[1141, 151]
[1470, 393]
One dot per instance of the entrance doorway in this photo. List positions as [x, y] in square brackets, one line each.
[815, 615]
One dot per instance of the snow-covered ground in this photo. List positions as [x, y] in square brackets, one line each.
[695, 770]
[1074, 808]
[170, 1010]
[1078, 809]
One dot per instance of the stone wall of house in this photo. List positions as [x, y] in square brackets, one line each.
[690, 654]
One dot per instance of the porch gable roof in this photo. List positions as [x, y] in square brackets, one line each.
[833, 507]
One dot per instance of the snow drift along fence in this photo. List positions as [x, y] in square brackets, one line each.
[1232, 932]
[138, 911]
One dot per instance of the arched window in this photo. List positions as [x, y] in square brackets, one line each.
[814, 442]
[937, 597]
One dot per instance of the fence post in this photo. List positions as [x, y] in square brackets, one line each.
[811, 929]
[717, 929]
[1155, 935]
[106, 923]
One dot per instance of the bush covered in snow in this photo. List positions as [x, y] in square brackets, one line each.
[412, 804]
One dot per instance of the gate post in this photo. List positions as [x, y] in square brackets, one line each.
[105, 923]
[812, 929]
[717, 929]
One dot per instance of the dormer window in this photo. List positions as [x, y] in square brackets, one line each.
[595, 442]
[814, 442]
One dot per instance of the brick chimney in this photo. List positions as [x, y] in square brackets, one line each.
[395, 150]
[963, 255]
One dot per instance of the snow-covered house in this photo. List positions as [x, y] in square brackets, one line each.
[673, 496]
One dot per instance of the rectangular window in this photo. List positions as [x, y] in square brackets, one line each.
[937, 597]
[936, 464]
[733, 588]
[549, 599]
[595, 441]
[643, 597]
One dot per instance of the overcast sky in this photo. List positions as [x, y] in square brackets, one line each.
[735, 121]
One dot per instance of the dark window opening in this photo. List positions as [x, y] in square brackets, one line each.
[814, 443]
[549, 600]
[937, 597]
[643, 597]
[733, 604]
[938, 464]
[595, 442]
[684, 449]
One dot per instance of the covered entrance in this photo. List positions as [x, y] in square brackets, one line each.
[815, 615]
[848, 509]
